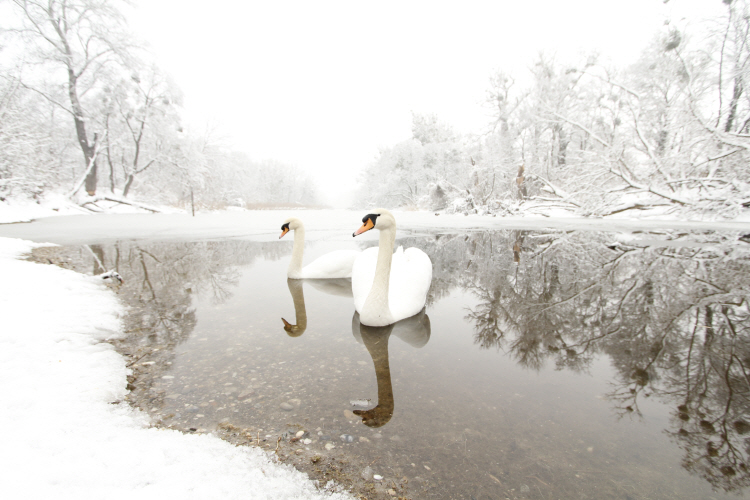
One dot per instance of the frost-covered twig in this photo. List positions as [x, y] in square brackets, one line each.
[635, 206]
[649, 189]
[702, 180]
[717, 157]
[615, 84]
[585, 129]
[649, 150]
[566, 197]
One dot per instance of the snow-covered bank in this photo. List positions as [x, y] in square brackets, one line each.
[63, 433]
[21, 209]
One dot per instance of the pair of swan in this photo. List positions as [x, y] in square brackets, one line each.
[387, 287]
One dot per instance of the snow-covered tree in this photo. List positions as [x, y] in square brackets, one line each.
[142, 124]
[28, 150]
[416, 172]
[670, 132]
[75, 43]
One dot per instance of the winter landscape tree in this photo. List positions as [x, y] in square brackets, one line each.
[75, 78]
[668, 133]
[141, 124]
[81, 41]
[27, 148]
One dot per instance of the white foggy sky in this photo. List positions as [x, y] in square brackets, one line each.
[322, 85]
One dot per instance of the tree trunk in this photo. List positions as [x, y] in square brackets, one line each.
[91, 181]
[522, 193]
[109, 158]
[91, 178]
[78, 118]
[128, 183]
[736, 94]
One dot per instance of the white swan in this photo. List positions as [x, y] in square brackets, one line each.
[336, 264]
[388, 287]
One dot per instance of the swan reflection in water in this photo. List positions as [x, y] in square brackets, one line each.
[415, 331]
[338, 286]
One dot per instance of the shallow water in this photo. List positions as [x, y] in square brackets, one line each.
[547, 364]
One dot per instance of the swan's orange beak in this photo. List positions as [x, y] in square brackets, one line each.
[283, 232]
[365, 227]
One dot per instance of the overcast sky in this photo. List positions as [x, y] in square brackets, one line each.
[322, 85]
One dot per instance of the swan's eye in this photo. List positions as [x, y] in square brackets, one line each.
[372, 217]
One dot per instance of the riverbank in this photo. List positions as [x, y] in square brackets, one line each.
[66, 432]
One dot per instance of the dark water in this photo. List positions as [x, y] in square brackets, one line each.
[546, 365]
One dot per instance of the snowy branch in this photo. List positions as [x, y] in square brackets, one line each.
[122, 201]
[646, 145]
[615, 84]
[555, 190]
[649, 189]
[576, 124]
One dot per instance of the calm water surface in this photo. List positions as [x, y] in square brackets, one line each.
[546, 364]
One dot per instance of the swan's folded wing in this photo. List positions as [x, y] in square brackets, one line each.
[336, 264]
[411, 276]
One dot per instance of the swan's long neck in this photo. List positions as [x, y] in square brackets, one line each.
[295, 264]
[298, 297]
[377, 301]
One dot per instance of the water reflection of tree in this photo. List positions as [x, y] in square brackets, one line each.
[710, 385]
[160, 282]
[674, 319]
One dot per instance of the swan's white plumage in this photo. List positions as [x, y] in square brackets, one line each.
[410, 278]
[336, 264]
[407, 285]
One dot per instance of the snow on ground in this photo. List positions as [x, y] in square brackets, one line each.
[24, 210]
[62, 431]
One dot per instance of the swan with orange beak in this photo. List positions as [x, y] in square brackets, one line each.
[388, 287]
[336, 264]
